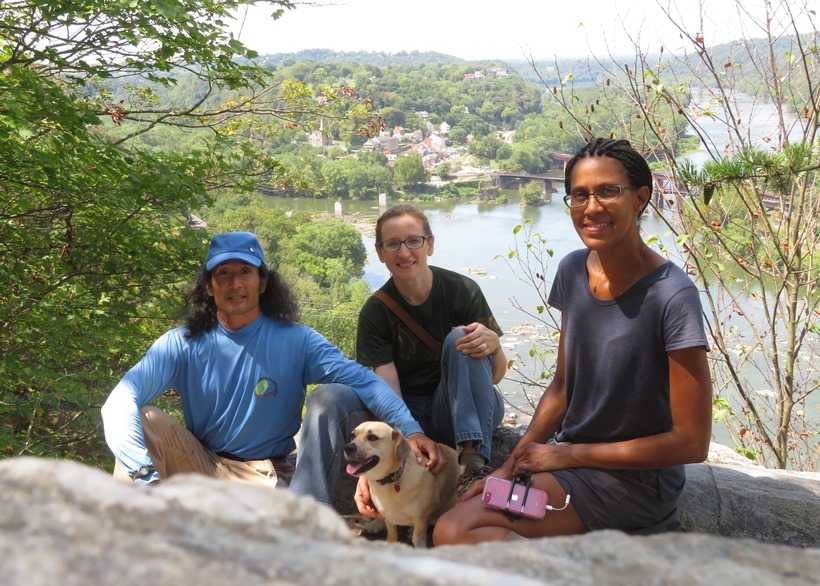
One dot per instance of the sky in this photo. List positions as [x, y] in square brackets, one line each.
[496, 29]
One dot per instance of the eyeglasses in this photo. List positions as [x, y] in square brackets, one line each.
[412, 243]
[604, 194]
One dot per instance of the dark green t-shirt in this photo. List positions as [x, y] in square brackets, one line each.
[455, 300]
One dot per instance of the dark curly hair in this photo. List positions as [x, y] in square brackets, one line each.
[199, 310]
[640, 175]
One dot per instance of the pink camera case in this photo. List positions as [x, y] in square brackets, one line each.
[497, 496]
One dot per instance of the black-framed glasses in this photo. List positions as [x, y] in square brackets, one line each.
[604, 194]
[412, 243]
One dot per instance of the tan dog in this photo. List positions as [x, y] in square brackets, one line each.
[403, 490]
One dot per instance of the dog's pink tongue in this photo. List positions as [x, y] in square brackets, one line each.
[353, 468]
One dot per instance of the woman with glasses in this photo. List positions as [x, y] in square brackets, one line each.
[630, 399]
[451, 394]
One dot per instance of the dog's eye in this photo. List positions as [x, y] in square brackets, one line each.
[372, 438]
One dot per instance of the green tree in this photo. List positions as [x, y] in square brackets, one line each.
[356, 178]
[329, 251]
[486, 147]
[531, 156]
[443, 171]
[409, 172]
[369, 180]
[94, 245]
[504, 152]
[335, 314]
[393, 117]
[532, 194]
[457, 135]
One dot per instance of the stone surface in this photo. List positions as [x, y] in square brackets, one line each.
[65, 523]
[750, 501]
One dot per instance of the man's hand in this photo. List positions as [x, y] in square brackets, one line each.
[424, 446]
[363, 500]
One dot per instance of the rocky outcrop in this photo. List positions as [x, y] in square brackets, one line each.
[65, 523]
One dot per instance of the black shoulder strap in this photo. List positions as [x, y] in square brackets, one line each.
[425, 336]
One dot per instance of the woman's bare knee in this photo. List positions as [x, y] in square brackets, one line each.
[446, 532]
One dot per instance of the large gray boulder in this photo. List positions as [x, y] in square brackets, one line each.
[65, 523]
[739, 500]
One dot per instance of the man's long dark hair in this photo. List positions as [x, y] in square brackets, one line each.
[199, 310]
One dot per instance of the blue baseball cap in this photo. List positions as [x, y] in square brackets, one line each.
[234, 246]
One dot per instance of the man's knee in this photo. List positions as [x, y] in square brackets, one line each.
[153, 414]
[156, 421]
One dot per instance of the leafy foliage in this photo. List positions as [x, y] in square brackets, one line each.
[531, 194]
[409, 172]
[88, 232]
[329, 251]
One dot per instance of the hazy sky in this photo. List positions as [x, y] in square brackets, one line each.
[501, 29]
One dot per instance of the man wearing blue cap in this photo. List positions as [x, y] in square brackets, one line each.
[241, 365]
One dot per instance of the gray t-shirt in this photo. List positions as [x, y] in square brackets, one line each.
[617, 368]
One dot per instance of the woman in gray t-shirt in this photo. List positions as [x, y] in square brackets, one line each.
[630, 400]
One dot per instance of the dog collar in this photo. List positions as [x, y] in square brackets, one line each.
[393, 477]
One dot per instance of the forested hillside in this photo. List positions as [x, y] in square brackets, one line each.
[482, 110]
[510, 121]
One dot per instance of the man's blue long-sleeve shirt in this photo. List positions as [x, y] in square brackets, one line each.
[242, 391]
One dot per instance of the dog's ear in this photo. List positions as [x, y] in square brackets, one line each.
[402, 446]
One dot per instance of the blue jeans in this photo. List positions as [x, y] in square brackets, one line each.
[333, 411]
[466, 405]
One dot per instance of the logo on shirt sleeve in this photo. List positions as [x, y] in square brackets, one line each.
[266, 387]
